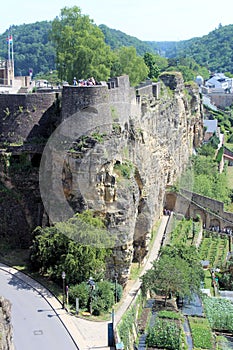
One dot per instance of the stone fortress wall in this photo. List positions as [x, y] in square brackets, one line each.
[150, 131]
[22, 116]
[221, 100]
[190, 205]
[155, 135]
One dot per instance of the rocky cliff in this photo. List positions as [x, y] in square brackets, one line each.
[5, 325]
[128, 148]
[121, 147]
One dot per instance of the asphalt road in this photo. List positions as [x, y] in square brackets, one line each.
[36, 326]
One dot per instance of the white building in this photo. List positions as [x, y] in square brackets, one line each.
[219, 83]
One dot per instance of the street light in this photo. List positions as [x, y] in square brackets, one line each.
[63, 275]
[92, 288]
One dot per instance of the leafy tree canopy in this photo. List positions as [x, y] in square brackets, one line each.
[53, 250]
[188, 67]
[32, 48]
[80, 47]
[177, 271]
[150, 61]
[208, 181]
[127, 62]
[214, 50]
[116, 39]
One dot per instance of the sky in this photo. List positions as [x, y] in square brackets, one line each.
[148, 20]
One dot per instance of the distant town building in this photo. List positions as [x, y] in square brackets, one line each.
[212, 129]
[219, 83]
[9, 84]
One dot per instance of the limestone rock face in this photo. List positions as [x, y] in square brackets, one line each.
[123, 178]
[5, 325]
[118, 150]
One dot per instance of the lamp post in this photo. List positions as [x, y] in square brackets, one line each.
[92, 288]
[63, 275]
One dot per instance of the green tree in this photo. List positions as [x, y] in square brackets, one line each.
[127, 62]
[213, 51]
[56, 249]
[149, 60]
[32, 48]
[51, 77]
[188, 67]
[116, 39]
[207, 179]
[177, 271]
[80, 47]
[161, 62]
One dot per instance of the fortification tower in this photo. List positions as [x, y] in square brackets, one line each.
[6, 72]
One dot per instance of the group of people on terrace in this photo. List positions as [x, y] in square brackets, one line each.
[217, 228]
[82, 82]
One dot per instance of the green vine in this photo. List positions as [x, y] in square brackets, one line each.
[7, 112]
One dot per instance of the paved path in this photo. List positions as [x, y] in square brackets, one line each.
[137, 284]
[88, 335]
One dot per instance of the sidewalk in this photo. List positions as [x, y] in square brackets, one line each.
[87, 334]
[136, 286]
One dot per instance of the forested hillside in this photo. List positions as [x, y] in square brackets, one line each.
[33, 48]
[115, 39]
[215, 50]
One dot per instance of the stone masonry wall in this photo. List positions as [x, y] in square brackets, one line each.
[125, 152]
[153, 138]
[26, 116]
[221, 100]
[192, 204]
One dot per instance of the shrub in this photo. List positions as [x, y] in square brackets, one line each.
[103, 297]
[125, 327]
[124, 169]
[119, 292]
[80, 291]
